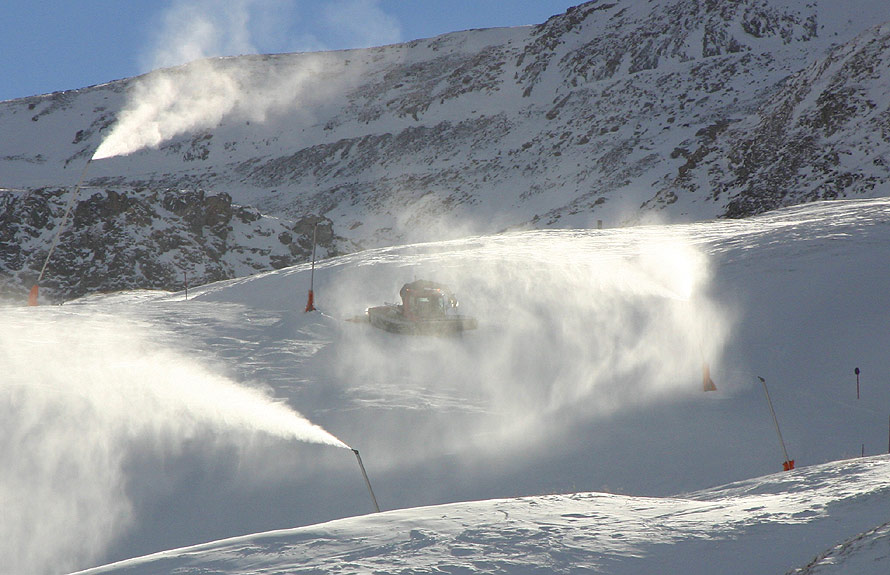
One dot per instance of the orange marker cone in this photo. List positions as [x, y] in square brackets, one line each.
[707, 382]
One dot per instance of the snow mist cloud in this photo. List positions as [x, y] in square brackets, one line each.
[193, 89]
[78, 395]
[574, 326]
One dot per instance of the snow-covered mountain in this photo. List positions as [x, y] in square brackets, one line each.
[580, 393]
[614, 111]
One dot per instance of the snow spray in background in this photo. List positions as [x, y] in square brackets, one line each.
[77, 393]
[574, 325]
[167, 103]
[173, 101]
[193, 89]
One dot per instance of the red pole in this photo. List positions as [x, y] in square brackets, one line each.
[32, 297]
[310, 303]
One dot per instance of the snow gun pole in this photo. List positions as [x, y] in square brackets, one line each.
[32, 298]
[310, 303]
[367, 481]
[788, 465]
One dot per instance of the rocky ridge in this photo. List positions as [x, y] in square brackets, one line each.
[148, 239]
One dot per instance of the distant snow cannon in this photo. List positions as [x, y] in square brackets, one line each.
[788, 464]
[428, 308]
[72, 197]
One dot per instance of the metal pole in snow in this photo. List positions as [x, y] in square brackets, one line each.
[367, 481]
[789, 464]
[314, 244]
[310, 303]
[71, 199]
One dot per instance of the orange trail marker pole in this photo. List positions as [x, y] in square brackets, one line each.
[310, 303]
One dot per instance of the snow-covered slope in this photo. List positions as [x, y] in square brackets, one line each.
[766, 525]
[584, 377]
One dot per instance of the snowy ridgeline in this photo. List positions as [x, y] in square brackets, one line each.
[159, 422]
[614, 111]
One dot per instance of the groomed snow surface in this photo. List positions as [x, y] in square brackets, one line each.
[757, 526]
[568, 434]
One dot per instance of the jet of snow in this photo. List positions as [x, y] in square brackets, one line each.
[192, 89]
[174, 101]
[79, 394]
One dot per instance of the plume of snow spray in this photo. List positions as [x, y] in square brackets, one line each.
[174, 101]
[574, 326]
[78, 393]
[193, 89]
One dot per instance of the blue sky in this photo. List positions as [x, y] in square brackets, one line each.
[48, 46]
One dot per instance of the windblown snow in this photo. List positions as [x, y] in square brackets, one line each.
[574, 416]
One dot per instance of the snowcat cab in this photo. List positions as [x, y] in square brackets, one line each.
[425, 299]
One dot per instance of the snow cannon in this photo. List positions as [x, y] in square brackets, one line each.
[367, 481]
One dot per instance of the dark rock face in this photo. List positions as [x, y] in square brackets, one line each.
[824, 135]
[142, 239]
